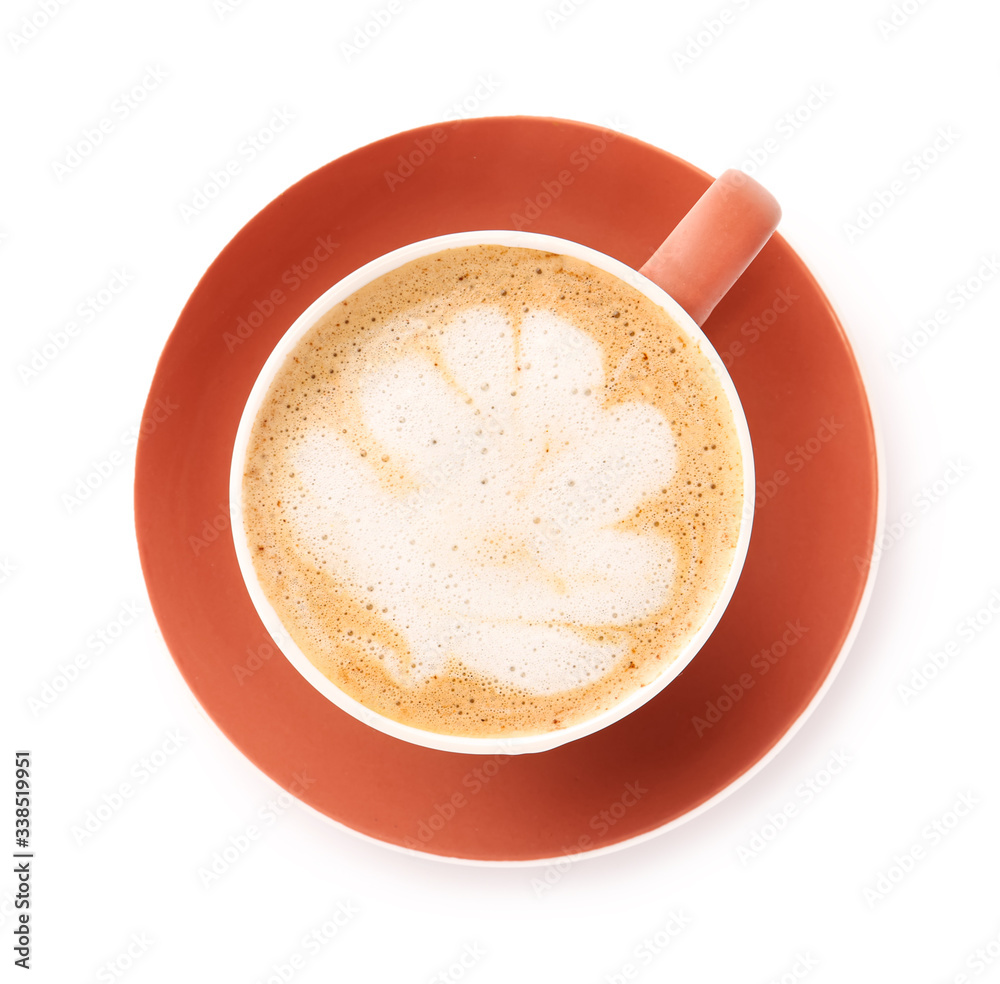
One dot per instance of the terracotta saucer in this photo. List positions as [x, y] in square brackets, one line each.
[795, 609]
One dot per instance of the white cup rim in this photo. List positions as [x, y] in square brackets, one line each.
[343, 289]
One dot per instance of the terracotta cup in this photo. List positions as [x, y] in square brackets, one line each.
[687, 276]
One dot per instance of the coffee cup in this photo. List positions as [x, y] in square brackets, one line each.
[493, 491]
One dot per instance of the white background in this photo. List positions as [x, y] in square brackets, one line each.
[799, 908]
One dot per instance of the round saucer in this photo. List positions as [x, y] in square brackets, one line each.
[784, 633]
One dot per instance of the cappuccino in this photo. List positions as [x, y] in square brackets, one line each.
[493, 492]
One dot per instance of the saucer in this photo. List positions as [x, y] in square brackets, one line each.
[790, 621]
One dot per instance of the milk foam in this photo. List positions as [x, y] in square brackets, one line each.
[475, 501]
[493, 492]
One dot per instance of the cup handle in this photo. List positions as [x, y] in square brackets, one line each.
[714, 243]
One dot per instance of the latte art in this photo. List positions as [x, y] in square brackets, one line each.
[493, 492]
[492, 477]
